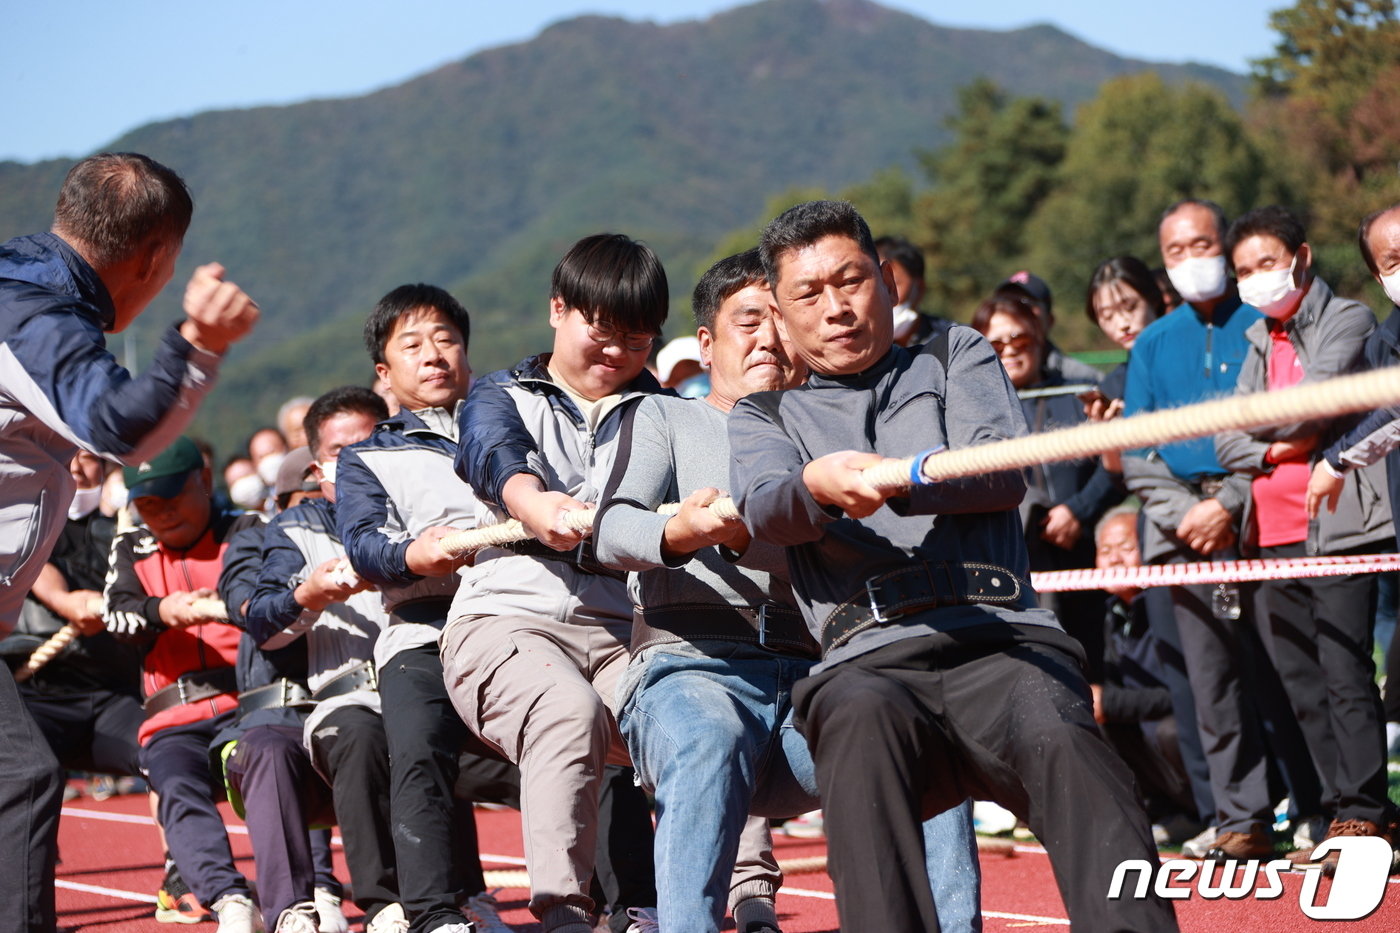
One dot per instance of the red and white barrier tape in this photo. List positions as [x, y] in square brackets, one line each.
[1226, 571]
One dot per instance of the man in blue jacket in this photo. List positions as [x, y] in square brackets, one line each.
[118, 228]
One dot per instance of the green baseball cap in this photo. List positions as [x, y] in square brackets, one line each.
[163, 476]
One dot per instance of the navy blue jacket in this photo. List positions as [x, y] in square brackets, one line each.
[60, 389]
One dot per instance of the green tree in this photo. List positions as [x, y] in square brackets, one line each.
[1136, 148]
[1327, 106]
[987, 184]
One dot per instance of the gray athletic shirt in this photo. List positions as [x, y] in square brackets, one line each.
[648, 473]
[904, 404]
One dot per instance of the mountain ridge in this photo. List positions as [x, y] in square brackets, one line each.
[476, 175]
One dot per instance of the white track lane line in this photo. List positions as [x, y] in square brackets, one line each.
[107, 892]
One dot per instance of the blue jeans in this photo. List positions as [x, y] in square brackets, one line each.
[709, 728]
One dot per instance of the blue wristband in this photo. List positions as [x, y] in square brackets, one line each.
[916, 469]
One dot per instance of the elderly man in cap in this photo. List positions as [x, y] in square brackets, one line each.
[161, 594]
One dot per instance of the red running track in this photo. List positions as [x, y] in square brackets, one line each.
[111, 866]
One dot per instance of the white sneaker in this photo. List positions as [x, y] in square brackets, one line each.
[388, 920]
[1311, 831]
[299, 918]
[237, 914]
[482, 910]
[329, 917]
[644, 920]
[1198, 845]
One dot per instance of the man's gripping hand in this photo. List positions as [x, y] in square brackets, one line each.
[427, 557]
[179, 610]
[695, 526]
[217, 313]
[543, 512]
[327, 585]
[836, 479]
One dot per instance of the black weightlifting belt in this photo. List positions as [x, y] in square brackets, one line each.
[581, 557]
[776, 628]
[359, 677]
[920, 586]
[191, 688]
[425, 610]
[279, 694]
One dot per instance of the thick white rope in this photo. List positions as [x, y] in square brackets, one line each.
[1309, 402]
[207, 608]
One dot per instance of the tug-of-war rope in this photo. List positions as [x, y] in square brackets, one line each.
[1310, 402]
[1340, 396]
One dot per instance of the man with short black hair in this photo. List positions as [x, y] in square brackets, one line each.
[1318, 632]
[939, 678]
[118, 227]
[538, 632]
[396, 497]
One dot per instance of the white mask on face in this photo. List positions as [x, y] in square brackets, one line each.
[906, 319]
[268, 467]
[84, 501]
[327, 471]
[1199, 278]
[1272, 291]
[1391, 284]
[248, 492]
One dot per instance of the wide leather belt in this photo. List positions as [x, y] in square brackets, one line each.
[776, 628]
[191, 688]
[580, 558]
[426, 610]
[359, 677]
[279, 694]
[920, 586]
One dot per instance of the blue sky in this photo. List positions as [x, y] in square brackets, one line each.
[78, 74]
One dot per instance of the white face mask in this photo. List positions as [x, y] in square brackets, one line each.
[327, 470]
[906, 320]
[1199, 278]
[248, 492]
[1391, 284]
[1272, 291]
[84, 502]
[268, 467]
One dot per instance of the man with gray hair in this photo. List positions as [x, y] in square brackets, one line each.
[117, 230]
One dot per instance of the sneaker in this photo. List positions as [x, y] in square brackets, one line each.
[991, 819]
[101, 787]
[644, 920]
[1175, 830]
[1311, 830]
[1255, 844]
[329, 917]
[299, 918]
[1198, 845]
[237, 914]
[388, 920]
[175, 902]
[483, 911]
[761, 926]
[806, 826]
